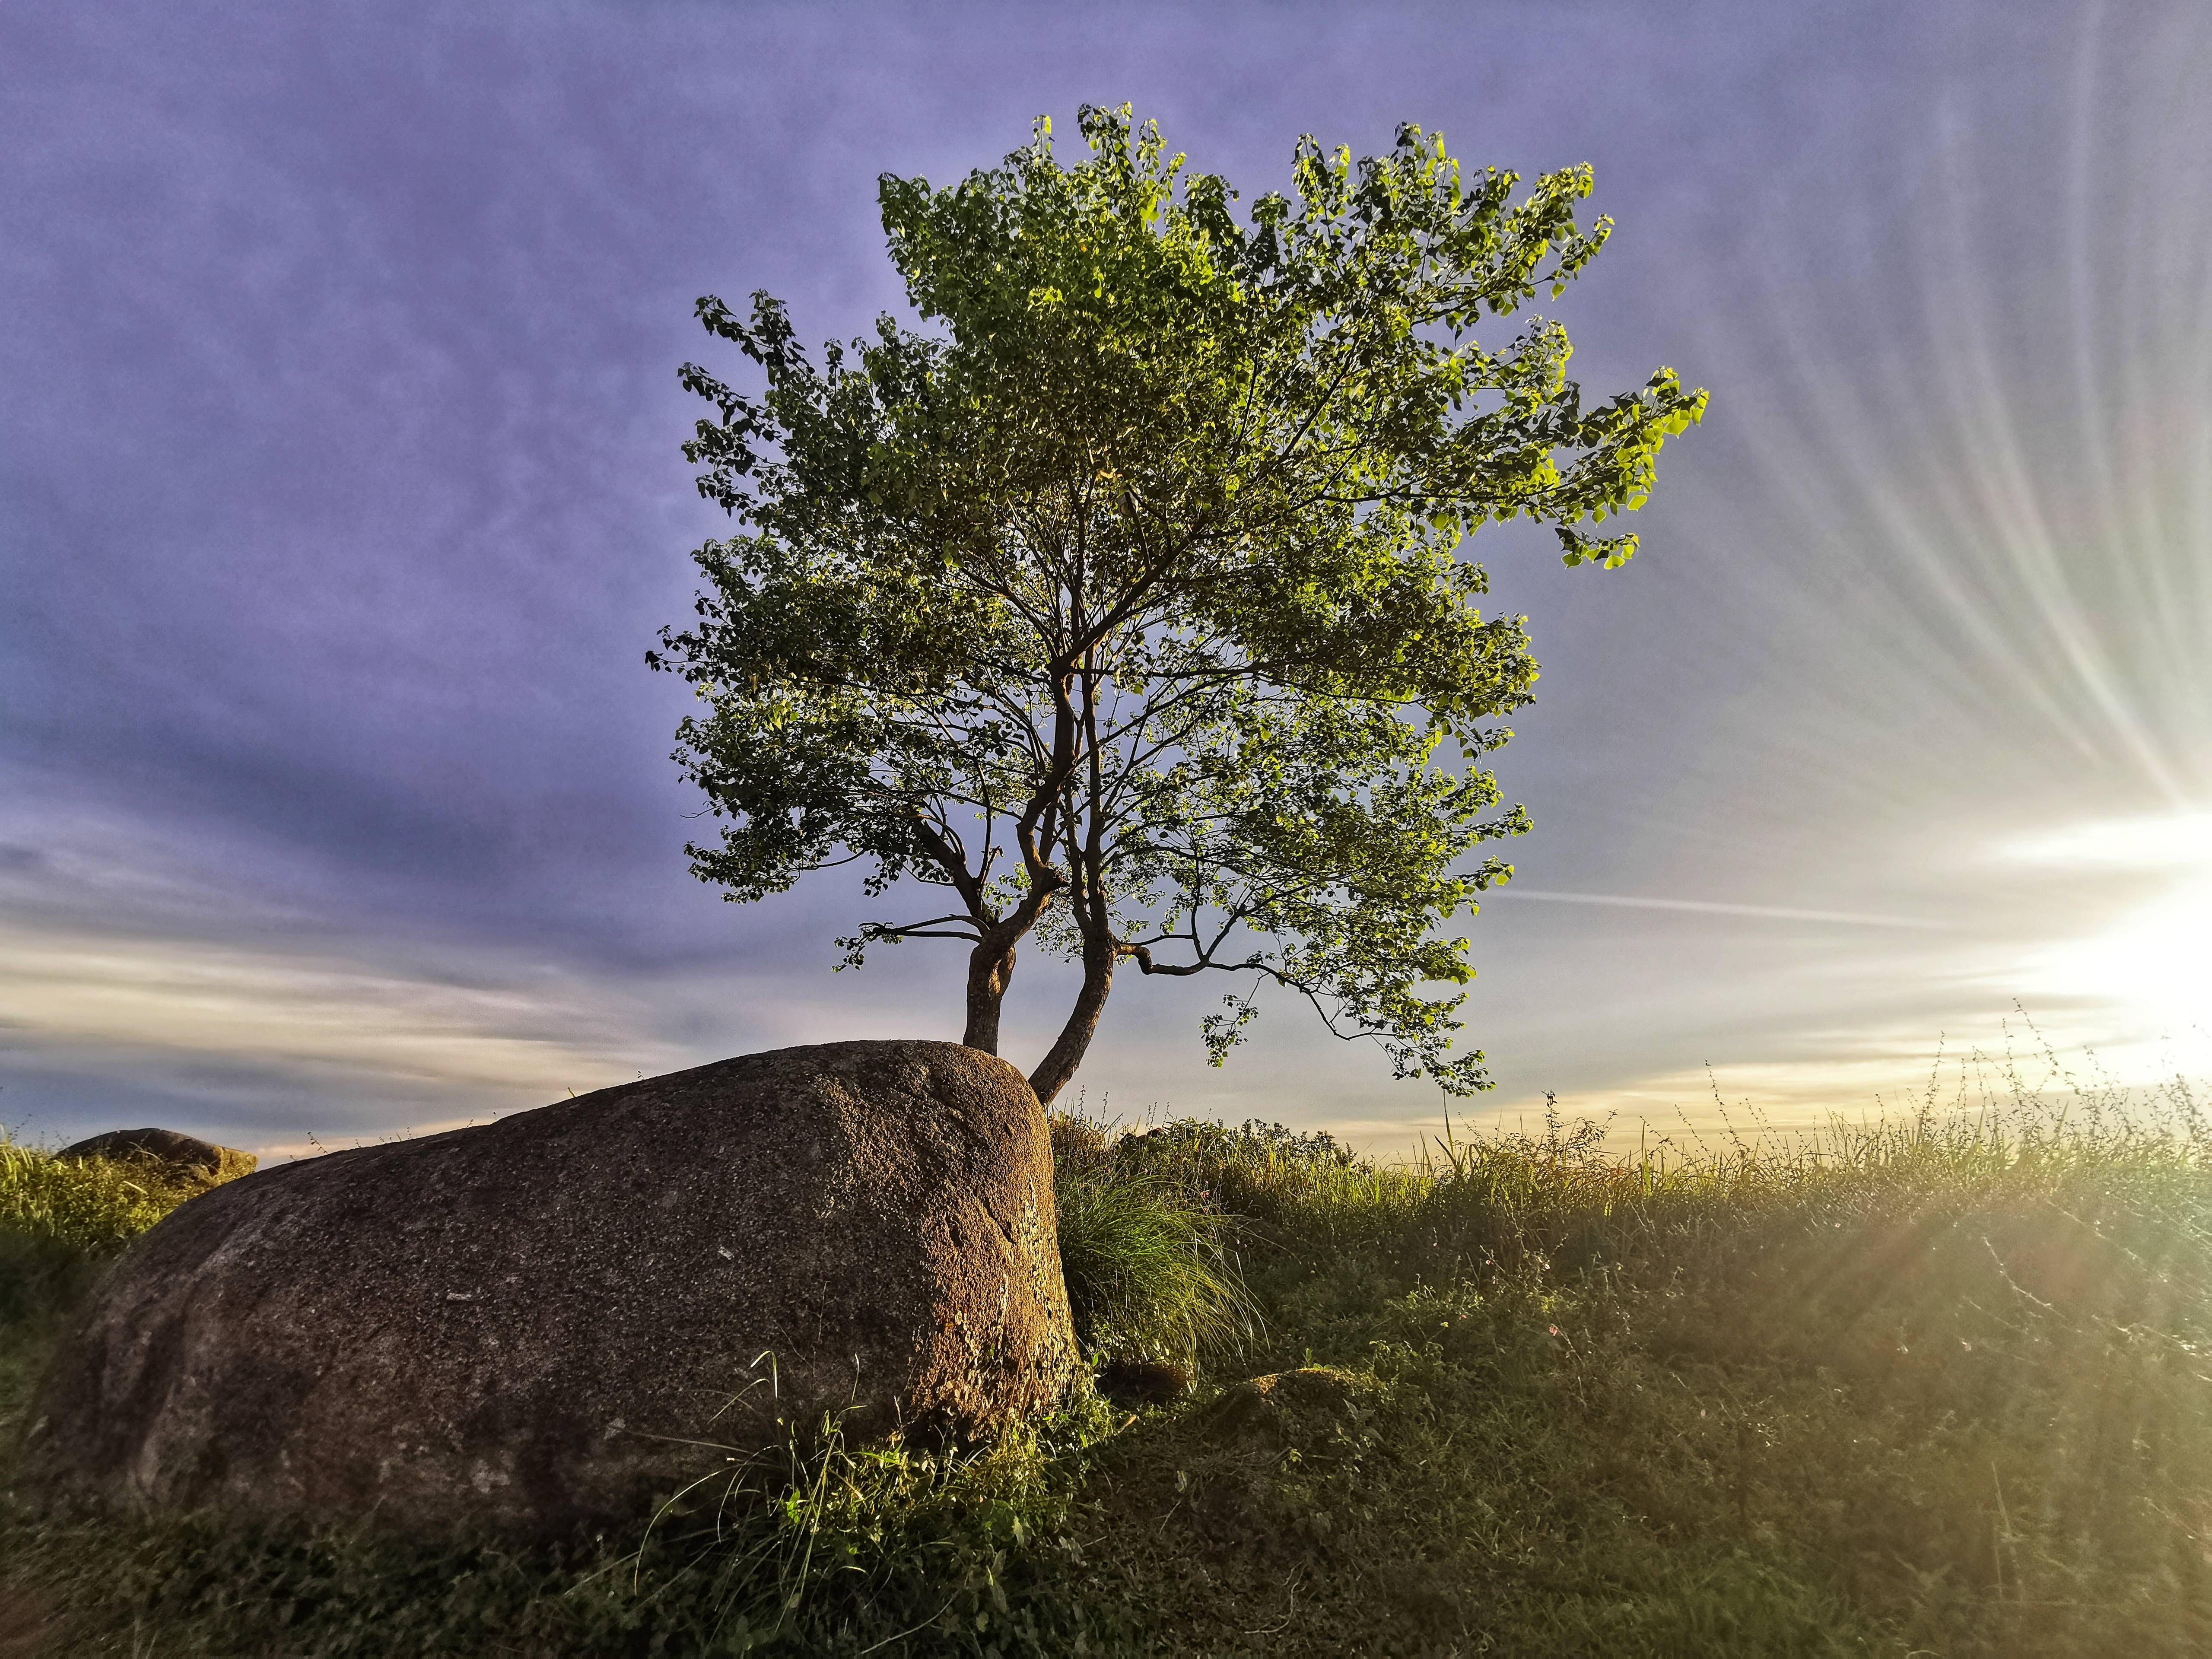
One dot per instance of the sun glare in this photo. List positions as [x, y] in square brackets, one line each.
[2157, 962]
[2154, 962]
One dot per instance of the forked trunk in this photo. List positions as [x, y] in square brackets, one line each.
[1067, 1053]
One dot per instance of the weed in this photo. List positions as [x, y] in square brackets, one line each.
[61, 1220]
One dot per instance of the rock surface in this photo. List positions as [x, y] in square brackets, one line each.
[530, 1324]
[186, 1153]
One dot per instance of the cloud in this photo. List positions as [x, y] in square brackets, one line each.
[341, 499]
[2163, 841]
[1721, 908]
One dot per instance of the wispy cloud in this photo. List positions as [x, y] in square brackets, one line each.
[347, 1040]
[1721, 908]
[390, 839]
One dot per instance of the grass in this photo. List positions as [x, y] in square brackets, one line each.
[1148, 1260]
[60, 1220]
[1932, 1386]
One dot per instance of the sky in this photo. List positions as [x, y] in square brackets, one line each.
[340, 500]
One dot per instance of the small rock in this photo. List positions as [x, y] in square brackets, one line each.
[185, 1154]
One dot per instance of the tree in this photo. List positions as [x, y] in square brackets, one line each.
[1122, 606]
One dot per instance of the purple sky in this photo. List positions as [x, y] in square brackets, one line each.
[340, 498]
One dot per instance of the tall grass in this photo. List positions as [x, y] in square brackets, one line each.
[1957, 1368]
[85, 1204]
[60, 1218]
[1150, 1275]
[1149, 1262]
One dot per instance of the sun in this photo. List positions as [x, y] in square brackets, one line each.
[2157, 962]
[2154, 962]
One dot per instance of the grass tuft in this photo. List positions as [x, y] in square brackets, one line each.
[88, 1205]
[1149, 1264]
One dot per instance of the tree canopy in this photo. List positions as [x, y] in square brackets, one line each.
[1121, 603]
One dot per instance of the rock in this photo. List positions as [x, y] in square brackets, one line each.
[533, 1324]
[185, 1154]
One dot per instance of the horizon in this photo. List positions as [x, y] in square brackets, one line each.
[343, 500]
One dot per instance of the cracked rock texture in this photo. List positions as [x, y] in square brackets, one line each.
[526, 1325]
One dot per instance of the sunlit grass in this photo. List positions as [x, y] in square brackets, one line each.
[1149, 1272]
[84, 1204]
[60, 1218]
[1938, 1383]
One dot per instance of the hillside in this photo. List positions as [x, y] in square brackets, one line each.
[1937, 1387]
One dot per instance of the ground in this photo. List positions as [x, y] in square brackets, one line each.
[1935, 1389]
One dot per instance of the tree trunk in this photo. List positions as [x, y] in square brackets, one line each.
[1058, 1065]
[989, 969]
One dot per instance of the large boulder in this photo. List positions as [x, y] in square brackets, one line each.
[537, 1322]
[174, 1154]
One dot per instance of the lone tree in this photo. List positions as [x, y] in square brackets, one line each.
[1121, 605]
